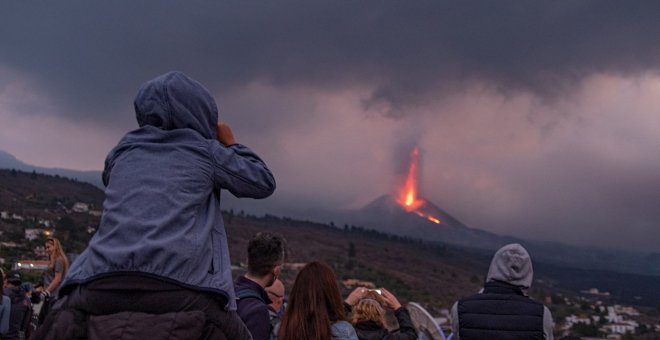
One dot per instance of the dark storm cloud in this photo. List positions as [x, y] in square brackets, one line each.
[604, 202]
[93, 55]
[511, 102]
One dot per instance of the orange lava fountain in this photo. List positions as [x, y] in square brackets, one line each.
[408, 195]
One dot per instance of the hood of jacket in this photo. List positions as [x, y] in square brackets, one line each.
[175, 101]
[15, 294]
[511, 264]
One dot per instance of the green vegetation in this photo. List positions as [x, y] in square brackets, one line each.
[582, 329]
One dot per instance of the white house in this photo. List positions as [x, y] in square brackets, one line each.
[45, 223]
[627, 326]
[80, 207]
[33, 233]
[573, 319]
[31, 265]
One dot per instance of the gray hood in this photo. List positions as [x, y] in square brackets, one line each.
[512, 264]
[175, 101]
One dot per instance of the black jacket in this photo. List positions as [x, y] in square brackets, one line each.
[20, 315]
[252, 302]
[370, 330]
[500, 312]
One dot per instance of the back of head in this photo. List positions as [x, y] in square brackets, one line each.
[368, 310]
[175, 101]
[265, 252]
[314, 304]
[14, 278]
[511, 264]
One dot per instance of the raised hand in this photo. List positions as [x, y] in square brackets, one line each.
[390, 299]
[225, 135]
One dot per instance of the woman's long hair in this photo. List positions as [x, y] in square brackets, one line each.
[58, 253]
[314, 304]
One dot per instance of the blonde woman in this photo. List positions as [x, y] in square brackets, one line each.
[57, 267]
[52, 277]
[369, 317]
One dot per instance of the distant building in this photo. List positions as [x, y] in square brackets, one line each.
[358, 283]
[624, 327]
[574, 319]
[96, 213]
[33, 233]
[31, 265]
[45, 223]
[17, 217]
[294, 265]
[631, 311]
[80, 207]
[4, 215]
[595, 291]
[40, 251]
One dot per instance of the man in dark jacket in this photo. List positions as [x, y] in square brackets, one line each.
[503, 310]
[21, 309]
[265, 258]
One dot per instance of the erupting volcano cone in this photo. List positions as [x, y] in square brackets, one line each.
[408, 197]
[409, 214]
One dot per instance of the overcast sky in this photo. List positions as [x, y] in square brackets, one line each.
[534, 119]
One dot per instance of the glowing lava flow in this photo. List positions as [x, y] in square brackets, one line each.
[408, 196]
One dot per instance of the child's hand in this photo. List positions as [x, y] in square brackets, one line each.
[390, 299]
[355, 295]
[225, 136]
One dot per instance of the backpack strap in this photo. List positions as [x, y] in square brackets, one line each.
[247, 293]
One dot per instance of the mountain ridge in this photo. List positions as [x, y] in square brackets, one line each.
[385, 214]
[9, 161]
[450, 231]
[432, 273]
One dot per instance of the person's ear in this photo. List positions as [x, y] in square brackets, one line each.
[276, 271]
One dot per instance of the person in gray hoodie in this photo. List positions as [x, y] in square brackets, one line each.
[502, 310]
[161, 246]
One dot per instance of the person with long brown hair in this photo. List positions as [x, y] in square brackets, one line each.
[315, 309]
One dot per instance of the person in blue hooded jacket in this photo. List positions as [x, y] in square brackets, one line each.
[161, 245]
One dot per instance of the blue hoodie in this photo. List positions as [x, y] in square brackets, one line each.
[161, 215]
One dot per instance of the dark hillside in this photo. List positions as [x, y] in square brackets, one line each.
[37, 201]
[434, 274]
[24, 192]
